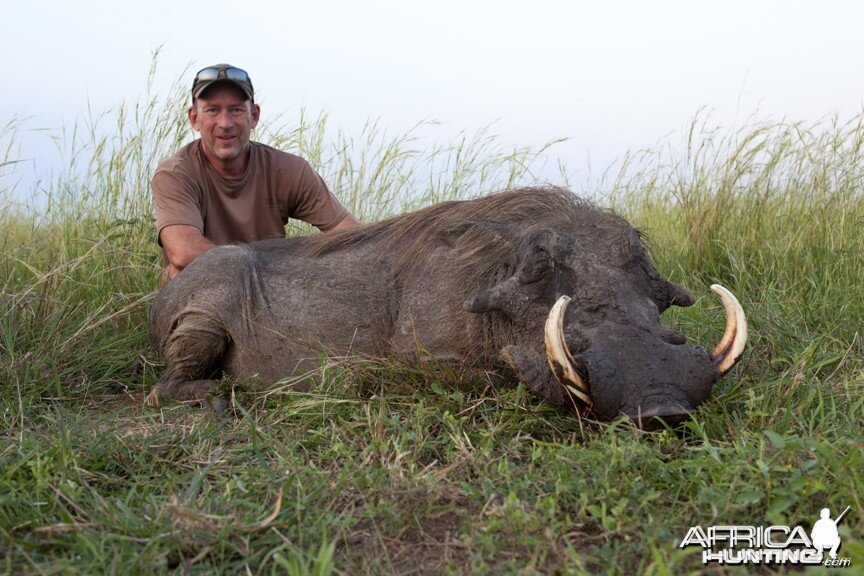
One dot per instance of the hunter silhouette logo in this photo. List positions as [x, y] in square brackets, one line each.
[736, 545]
[825, 533]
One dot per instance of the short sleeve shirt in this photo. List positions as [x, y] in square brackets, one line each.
[277, 186]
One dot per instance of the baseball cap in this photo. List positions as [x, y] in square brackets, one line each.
[210, 75]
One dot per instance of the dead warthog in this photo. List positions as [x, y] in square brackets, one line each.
[533, 284]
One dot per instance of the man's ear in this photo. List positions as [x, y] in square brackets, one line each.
[192, 114]
[256, 114]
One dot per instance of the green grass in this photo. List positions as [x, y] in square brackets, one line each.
[394, 469]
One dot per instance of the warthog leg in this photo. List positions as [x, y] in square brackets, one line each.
[195, 346]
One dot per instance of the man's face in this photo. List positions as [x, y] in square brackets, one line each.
[225, 119]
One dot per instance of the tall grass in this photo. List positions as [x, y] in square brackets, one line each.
[386, 469]
[752, 200]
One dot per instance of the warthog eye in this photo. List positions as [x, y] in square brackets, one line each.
[538, 263]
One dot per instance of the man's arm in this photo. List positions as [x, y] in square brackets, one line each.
[348, 222]
[182, 244]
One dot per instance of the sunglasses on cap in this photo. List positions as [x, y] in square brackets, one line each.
[222, 73]
[208, 76]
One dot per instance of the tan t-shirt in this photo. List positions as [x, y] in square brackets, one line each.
[276, 186]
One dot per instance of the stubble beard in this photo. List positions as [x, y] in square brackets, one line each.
[228, 154]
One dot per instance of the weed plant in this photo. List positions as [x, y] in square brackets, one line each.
[382, 468]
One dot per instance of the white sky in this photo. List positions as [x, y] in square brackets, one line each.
[610, 75]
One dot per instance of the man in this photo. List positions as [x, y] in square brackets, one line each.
[224, 188]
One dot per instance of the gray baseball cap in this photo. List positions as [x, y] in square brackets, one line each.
[207, 77]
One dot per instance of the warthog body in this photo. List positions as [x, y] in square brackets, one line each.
[468, 282]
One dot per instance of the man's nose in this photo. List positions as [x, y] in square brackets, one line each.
[224, 120]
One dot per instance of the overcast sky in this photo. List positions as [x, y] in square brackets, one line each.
[608, 75]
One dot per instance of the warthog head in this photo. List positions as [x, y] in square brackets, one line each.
[590, 289]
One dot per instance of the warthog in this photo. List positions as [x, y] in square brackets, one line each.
[484, 284]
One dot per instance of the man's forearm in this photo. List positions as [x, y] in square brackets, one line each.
[348, 222]
[182, 245]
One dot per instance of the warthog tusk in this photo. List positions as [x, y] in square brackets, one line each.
[560, 359]
[729, 350]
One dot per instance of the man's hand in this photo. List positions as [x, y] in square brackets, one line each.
[182, 244]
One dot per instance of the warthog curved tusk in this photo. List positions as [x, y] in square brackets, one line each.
[560, 359]
[729, 350]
